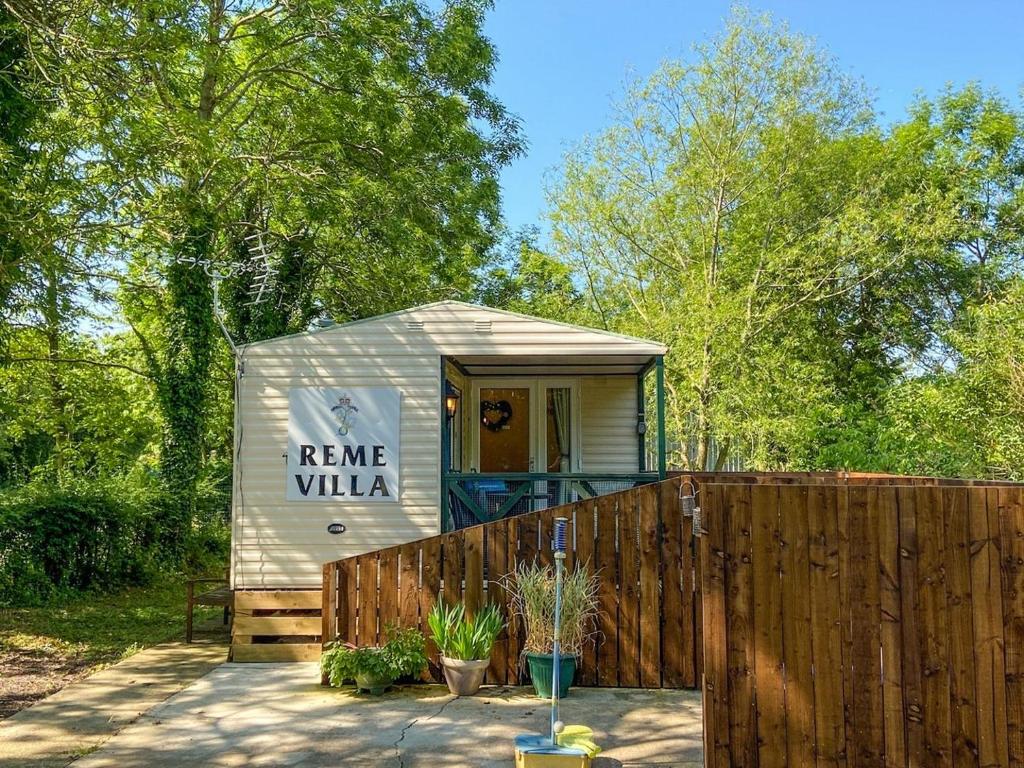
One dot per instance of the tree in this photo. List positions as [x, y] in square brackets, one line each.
[17, 111]
[356, 143]
[799, 261]
[968, 420]
[717, 214]
[530, 281]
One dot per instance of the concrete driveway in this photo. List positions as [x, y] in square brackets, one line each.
[279, 715]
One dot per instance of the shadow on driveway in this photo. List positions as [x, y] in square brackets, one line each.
[279, 715]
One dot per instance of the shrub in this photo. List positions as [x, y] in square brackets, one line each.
[95, 534]
[404, 653]
[532, 588]
[460, 637]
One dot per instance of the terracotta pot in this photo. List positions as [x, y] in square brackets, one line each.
[464, 677]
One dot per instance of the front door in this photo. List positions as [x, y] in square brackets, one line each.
[525, 425]
[505, 434]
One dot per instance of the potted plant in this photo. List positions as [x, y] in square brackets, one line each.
[532, 589]
[465, 643]
[374, 669]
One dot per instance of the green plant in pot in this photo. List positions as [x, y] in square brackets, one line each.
[532, 591]
[465, 643]
[375, 668]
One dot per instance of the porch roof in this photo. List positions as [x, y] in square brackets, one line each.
[551, 365]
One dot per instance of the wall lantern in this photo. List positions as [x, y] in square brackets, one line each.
[451, 399]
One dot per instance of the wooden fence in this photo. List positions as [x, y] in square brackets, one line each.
[637, 541]
[863, 623]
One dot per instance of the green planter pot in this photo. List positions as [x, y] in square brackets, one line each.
[541, 669]
[375, 685]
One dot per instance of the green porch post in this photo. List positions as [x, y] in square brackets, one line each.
[641, 418]
[445, 437]
[659, 368]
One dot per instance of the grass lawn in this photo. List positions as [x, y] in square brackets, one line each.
[43, 649]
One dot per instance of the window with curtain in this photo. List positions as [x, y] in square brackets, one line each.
[559, 442]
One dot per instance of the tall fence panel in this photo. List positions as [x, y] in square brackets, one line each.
[863, 623]
[637, 541]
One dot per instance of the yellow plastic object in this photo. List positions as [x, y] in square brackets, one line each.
[538, 760]
[534, 751]
[579, 736]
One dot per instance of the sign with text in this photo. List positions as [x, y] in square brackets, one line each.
[343, 444]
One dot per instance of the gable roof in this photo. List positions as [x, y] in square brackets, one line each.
[460, 328]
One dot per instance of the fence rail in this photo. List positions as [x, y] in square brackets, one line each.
[483, 497]
[864, 623]
[637, 542]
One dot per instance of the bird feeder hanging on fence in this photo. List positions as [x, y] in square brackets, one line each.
[688, 504]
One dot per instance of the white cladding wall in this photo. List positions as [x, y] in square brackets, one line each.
[282, 544]
[608, 422]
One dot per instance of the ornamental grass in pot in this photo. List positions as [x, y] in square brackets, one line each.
[532, 591]
[374, 669]
[465, 643]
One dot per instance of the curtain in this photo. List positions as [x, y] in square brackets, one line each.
[560, 406]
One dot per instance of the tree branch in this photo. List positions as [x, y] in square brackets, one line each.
[81, 361]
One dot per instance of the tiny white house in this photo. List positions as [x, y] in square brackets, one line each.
[377, 432]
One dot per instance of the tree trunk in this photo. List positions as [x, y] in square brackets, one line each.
[191, 326]
[723, 455]
[58, 394]
[188, 356]
[703, 426]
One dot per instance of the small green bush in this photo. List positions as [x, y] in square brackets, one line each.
[404, 653]
[93, 535]
[461, 637]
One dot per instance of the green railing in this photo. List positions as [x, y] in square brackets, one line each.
[471, 498]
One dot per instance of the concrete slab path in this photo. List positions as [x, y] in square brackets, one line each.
[279, 715]
[77, 719]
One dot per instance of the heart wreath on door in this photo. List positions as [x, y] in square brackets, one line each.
[495, 415]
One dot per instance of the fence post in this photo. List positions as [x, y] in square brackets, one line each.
[328, 609]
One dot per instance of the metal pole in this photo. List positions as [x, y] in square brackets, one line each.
[559, 547]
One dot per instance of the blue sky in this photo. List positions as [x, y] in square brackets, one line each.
[563, 62]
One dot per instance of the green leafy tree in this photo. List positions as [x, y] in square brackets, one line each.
[967, 420]
[800, 262]
[355, 144]
[17, 111]
[532, 282]
[717, 215]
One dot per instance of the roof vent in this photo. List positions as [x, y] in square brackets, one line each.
[414, 325]
[482, 326]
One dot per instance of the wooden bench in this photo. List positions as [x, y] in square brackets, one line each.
[221, 596]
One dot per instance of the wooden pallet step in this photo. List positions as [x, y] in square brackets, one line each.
[277, 625]
[279, 599]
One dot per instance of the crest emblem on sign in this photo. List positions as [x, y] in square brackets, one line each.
[345, 412]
